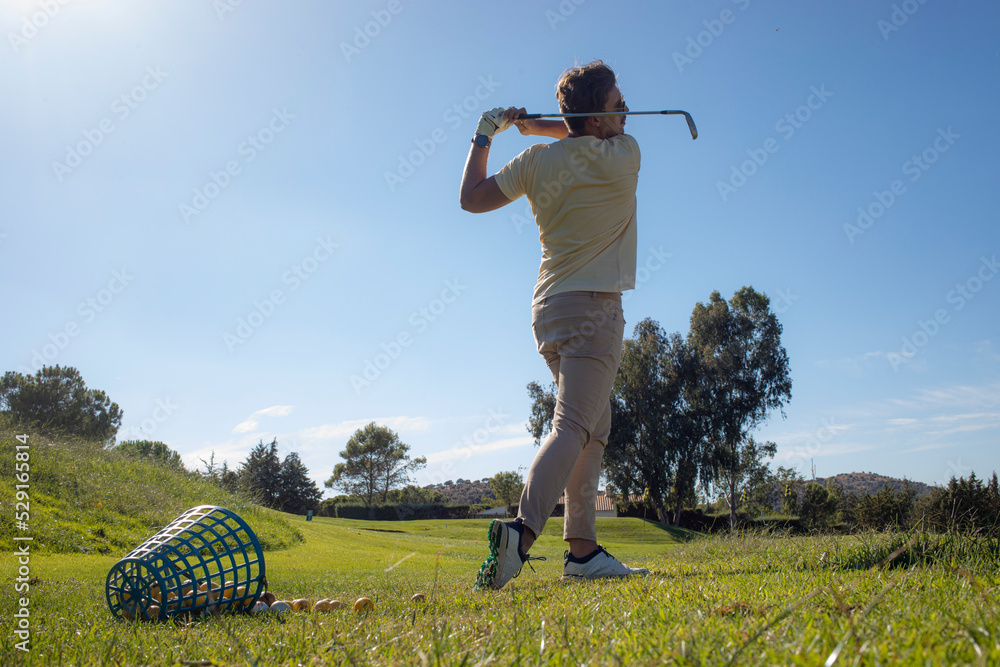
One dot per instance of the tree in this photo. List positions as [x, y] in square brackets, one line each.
[157, 452]
[228, 478]
[635, 455]
[745, 376]
[223, 475]
[543, 410]
[685, 420]
[965, 506]
[837, 495]
[211, 470]
[887, 509]
[507, 487]
[260, 474]
[653, 450]
[415, 495]
[297, 494]
[784, 492]
[818, 508]
[57, 398]
[375, 461]
[741, 482]
[759, 488]
[656, 422]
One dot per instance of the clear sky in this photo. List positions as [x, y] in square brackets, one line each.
[240, 218]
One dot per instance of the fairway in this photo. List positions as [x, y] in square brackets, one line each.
[710, 600]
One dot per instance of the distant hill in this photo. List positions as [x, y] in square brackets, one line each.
[872, 483]
[466, 491]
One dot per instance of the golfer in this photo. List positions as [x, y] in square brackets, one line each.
[582, 192]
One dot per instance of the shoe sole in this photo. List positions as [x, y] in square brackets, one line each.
[581, 577]
[488, 570]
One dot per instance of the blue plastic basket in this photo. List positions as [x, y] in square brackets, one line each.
[207, 560]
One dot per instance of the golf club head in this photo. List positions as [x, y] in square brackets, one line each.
[689, 119]
[694, 130]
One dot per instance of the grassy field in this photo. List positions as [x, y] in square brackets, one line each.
[720, 600]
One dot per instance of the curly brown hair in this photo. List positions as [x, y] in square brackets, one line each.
[583, 89]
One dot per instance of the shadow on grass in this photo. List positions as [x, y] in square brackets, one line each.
[682, 534]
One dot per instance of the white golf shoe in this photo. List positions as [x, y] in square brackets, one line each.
[506, 558]
[598, 565]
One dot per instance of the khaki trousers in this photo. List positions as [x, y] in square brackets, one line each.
[580, 336]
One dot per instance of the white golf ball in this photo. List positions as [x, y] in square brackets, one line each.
[261, 606]
[280, 606]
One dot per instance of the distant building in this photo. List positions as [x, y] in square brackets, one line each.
[604, 505]
[493, 512]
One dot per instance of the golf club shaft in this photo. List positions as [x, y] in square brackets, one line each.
[687, 116]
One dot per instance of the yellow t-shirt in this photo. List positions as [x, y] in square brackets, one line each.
[582, 194]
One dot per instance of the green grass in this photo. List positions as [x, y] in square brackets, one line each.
[744, 599]
[86, 499]
[764, 598]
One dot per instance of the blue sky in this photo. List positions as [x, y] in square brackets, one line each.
[241, 220]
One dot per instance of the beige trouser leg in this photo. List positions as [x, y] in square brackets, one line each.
[580, 336]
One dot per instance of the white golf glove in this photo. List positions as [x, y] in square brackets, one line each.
[493, 122]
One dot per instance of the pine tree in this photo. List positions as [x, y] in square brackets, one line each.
[260, 474]
[298, 493]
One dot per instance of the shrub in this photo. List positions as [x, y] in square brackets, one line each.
[965, 506]
[355, 511]
[887, 509]
[819, 507]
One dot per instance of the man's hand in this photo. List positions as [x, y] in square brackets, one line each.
[525, 127]
[494, 121]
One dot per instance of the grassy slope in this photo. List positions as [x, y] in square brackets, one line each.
[756, 600]
[86, 499]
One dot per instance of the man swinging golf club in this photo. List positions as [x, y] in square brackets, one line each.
[582, 192]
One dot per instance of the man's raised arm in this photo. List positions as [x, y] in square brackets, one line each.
[480, 194]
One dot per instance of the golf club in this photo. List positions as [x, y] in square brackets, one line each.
[687, 116]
